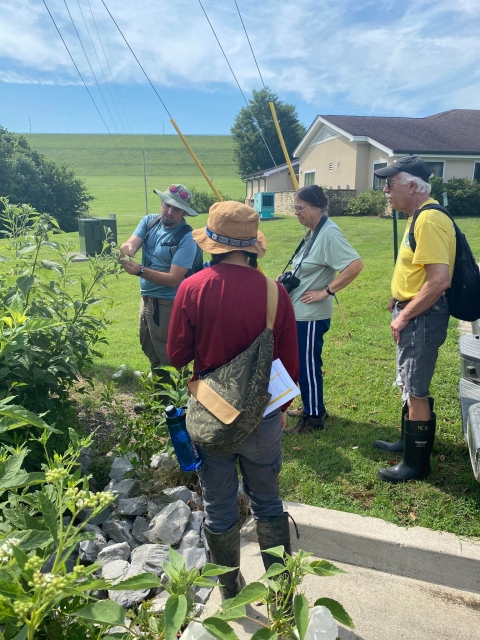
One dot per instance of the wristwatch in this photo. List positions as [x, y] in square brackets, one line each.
[327, 289]
[140, 273]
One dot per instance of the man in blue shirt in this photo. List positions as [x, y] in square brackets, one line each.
[162, 269]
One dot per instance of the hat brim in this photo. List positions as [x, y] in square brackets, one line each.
[387, 171]
[175, 203]
[210, 246]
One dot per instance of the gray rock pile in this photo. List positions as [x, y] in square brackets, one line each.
[133, 535]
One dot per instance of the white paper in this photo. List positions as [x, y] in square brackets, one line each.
[282, 388]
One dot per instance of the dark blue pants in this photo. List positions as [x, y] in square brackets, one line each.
[310, 343]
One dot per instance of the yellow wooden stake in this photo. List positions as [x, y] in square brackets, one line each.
[282, 142]
[197, 161]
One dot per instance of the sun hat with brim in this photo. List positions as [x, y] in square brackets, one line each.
[413, 165]
[231, 226]
[179, 196]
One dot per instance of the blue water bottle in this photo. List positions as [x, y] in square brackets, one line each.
[187, 453]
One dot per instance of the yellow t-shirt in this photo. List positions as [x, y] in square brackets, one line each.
[435, 238]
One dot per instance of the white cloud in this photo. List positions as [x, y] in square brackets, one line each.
[382, 57]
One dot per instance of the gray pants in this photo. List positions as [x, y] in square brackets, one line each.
[260, 461]
[417, 352]
[153, 327]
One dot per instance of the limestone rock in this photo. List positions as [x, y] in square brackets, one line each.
[140, 525]
[125, 488]
[149, 558]
[112, 552]
[169, 525]
[120, 531]
[131, 506]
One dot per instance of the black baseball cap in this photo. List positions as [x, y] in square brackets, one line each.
[413, 165]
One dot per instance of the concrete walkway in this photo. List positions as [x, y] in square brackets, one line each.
[411, 584]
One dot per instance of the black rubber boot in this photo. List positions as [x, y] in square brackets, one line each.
[225, 550]
[273, 532]
[419, 436]
[397, 447]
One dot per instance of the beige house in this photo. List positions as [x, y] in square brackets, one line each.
[341, 152]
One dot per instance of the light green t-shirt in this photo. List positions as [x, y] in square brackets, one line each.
[330, 253]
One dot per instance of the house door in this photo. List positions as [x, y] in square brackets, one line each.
[476, 172]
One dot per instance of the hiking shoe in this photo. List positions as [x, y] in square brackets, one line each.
[295, 413]
[308, 424]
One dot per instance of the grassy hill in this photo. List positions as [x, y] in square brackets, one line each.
[112, 167]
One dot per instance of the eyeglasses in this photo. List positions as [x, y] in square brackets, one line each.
[390, 184]
[183, 194]
[299, 207]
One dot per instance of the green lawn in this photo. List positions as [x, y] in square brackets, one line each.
[112, 167]
[336, 468]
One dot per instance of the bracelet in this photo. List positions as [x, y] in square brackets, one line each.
[140, 273]
[327, 289]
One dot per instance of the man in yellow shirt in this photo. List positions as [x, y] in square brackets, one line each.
[419, 311]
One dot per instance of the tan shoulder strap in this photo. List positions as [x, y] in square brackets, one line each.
[272, 302]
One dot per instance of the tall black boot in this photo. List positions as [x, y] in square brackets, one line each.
[397, 447]
[225, 550]
[273, 532]
[419, 436]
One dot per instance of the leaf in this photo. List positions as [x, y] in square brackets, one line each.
[265, 634]
[300, 608]
[142, 581]
[10, 589]
[176, 559]
[49, 512]
[25, 283]
[11, 467]
[324, 568]
[412, 515]
[23, 479]
[215, 569]
[337, 611]
[273, 570]
[22, 634]
[251, 593]
[276, 551]
[52, 266]
[20, 557]
[31, 539]
[204, 582]
[219, 629]
[22, 416]
[37, 324]
[232, 614]
[106, 611]
[175, 614]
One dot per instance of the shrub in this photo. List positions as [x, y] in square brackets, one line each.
[50, 321]
[368, 203]
[463, 195]
[203, 200]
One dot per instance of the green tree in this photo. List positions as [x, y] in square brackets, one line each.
[250, 151]
[463, 195]
[29, 177]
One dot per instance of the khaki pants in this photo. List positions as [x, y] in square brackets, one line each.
[153, 327]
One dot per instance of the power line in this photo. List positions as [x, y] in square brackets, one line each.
[144, 72]
[109, 69]
[250, 44]
[255, 121]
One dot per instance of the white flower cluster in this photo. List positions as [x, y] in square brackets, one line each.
[56, 475]
[86, 500]
[6, 551]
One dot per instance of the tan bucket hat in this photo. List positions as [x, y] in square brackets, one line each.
[231, 226]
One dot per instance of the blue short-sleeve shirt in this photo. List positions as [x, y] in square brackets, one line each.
[159, 257]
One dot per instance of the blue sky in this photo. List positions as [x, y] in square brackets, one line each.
[371, 58]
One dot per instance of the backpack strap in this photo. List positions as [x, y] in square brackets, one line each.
[437, 207]
[177, 237]
[150, 224]
[272, 302]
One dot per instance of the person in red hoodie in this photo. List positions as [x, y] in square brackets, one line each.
[217, 314]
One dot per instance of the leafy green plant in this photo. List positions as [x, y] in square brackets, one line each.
[51, 320]
[203, 200]
[463, 195]
[368, 203]
[278, 589]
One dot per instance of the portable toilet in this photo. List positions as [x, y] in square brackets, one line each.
[264, 204]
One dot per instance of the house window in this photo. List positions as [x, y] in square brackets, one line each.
[338, 166]
[476, 172]
[330, 166]
[309, 178]
[436, 168]
[378, 183]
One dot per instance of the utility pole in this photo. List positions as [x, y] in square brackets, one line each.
[30, 124]
[145, 182]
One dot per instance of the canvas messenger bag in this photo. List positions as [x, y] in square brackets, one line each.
[227, 405]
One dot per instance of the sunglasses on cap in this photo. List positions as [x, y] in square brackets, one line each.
[183, 194]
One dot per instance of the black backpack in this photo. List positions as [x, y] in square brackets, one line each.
[175, 241]
[464, 293]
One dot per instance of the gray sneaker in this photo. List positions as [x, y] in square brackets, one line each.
[308, 424]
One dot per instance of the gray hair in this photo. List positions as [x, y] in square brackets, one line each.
[422, 186]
